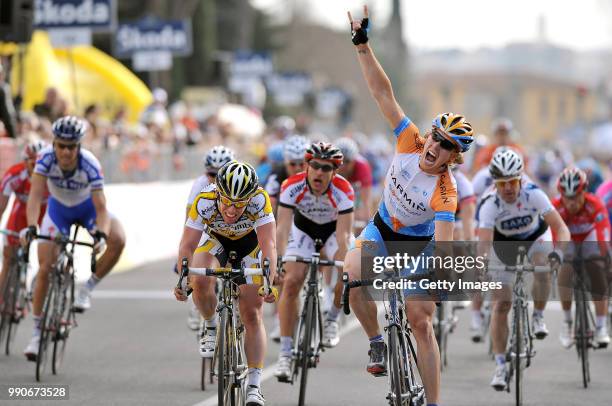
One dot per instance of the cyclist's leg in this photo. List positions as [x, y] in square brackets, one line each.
[420, 310]
[205, 256]
[114, 248]
[542, 281]
[7, 254]
[501, 303]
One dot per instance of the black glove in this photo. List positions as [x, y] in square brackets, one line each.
[30, 233]
[360, 36]
[99, 240]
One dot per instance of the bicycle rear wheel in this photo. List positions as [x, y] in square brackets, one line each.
[47, 327]
[397, 365]
[582, 339]
[306, 348]
[64, 323]
[518, 348]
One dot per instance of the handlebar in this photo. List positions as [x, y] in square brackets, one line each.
[64, 240]
[10, 233]
[317, 260]
[369, 282]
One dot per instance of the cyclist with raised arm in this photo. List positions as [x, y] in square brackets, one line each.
[75, 182]
[215, 158]
[16, 181]
[516, 211]
[314, 204]
[232, 214]
[588, 222]
[418, 204]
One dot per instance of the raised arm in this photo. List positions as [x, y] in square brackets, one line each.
[376, 78]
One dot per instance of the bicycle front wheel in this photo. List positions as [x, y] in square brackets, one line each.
[224, 363]
[582, 339]
[518, 349]
[8, 323]
[306, 348]
[47, 328]
[64, 324]
[397, 365]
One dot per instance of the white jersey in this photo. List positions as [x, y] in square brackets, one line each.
[198, 186]
[517, 220]
[70, 189]
[338, 199]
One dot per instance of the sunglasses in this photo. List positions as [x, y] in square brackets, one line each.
[513, 182]
[69, 147]
[444, 143]
[316, 166]
[239, 204]
[295, 163]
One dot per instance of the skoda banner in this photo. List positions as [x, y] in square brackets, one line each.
[71, 22]
[151, 43]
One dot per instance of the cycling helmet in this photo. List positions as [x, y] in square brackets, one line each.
[31, 150]
[218, 156]
[69, 128]
[572, 181]
[324, 151]
[294, 148]
[456, 127]
[237, 180]
[502, 124]
[275, 153]
[348, 147]
[506, 163]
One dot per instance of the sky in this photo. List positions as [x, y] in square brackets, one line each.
[470, 24]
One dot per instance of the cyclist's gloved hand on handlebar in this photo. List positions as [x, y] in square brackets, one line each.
[99, 241]
[359, 30]
[182, 292]
[27, 234]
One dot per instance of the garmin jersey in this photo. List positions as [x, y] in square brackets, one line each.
[519, 219]
[198, 185]
[70, 189]
[337, 199]
[412, 199]
[593, 216]
[205, 215]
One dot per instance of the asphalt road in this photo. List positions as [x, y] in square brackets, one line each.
[133, 348]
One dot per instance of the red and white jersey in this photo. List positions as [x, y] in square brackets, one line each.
[16, 180]
[337, 199]
[593, 216]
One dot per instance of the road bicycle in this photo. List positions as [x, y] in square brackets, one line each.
[309, 333]
[229, 363]
[405, 384]
[58, 317]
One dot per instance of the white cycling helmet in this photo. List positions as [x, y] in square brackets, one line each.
[506, 163]
[217, 157]
[294, 148]
[348, 147]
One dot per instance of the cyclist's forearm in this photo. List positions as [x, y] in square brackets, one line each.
[188, 244]
[378, 82]
[33, 207]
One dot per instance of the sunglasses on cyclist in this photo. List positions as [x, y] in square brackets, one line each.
[316, 166]
[514, 182]
[239, 204]
[293, 164]
[444, 143]
[69, 147]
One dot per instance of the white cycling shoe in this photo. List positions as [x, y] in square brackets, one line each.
[83, 300]
[566, 336]
[499, 379]
[254, 396]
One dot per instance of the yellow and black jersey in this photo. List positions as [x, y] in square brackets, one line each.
[204, 214]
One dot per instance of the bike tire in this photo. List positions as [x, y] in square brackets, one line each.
[306, 347]
[47, 325]
[64, 323]
[238, 358]
[223, 362]
[204, 375]
[582, 340]
[398, 378]
[518, 348]
[8, 324]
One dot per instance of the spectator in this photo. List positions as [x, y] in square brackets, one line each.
[7, 110]
[48, 108]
